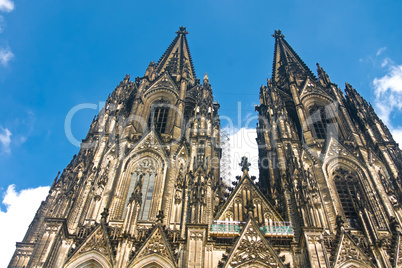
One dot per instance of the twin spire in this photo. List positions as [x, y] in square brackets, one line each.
[286, 59]
[177, 59]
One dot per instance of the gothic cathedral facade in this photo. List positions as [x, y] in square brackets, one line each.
[145, 188]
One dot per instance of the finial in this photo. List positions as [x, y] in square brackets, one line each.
[278, 34]
[323, 76]
[244, 164]
[206, 79]
[104, 215]
[348, 86]
[182, 30]
[160, 216]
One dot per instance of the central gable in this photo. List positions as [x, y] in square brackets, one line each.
[245, 194]
[253, 249]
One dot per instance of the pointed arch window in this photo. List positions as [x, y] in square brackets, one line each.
[144, 175]
[158, 117]
[320, 120]
[347, 187]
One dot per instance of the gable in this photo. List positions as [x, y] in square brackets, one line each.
[235, 206]
[97, 243]
[164, 82]
[183, 150]
[151, 143]
[348, 251]
[310, 88]
[337, 151]
[155, 244]
[253, 249]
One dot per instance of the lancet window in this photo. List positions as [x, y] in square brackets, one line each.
[144, 175]
[320, 120]
[158, 117]
[347, 187]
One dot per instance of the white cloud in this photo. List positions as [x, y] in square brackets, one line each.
[242, 143]
[21, 209]
[388, 92]
[385, 62]
[391, 82]
[381, 50]
[6, 5]
[397, 135]
[5, 139]
[5, 55]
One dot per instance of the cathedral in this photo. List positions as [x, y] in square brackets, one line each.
[145, 189]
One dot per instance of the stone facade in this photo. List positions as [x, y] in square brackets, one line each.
[145, 188]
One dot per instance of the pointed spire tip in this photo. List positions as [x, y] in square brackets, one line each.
[182, 30]
[278, 34]
[206, 79]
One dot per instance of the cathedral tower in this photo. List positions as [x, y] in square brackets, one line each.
[330, 166]
[145, 184]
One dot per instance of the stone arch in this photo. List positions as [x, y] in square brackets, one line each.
[330, 166]
[320, 110]
[157, 97]
[149, 169]
[368, 194]
[89, 259]
[315, 98]
[128, 166]
[353, 264]
[153, 260]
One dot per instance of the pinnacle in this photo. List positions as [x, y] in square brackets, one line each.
[285, 55]
[206, 79]
[182, 30]
[278, 34]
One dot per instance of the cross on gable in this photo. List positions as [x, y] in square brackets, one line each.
[244, 163]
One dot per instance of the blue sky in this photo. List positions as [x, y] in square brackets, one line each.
[55, 55]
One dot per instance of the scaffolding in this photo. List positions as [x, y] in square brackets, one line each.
[226, 157]
[273, 229]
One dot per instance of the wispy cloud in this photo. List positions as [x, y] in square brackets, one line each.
[6, 5]
[5, 55]
[388, 92]
[380, 51]
[21, 208]
[386, 62]
[5, 139]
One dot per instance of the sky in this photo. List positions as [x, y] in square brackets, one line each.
[55, 55]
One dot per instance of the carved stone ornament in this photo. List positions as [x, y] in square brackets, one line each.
[348, 250]
[253, 248]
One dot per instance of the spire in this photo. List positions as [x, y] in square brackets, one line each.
[285, 59]
[206, 79]
[323, 76]
[177, 58]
